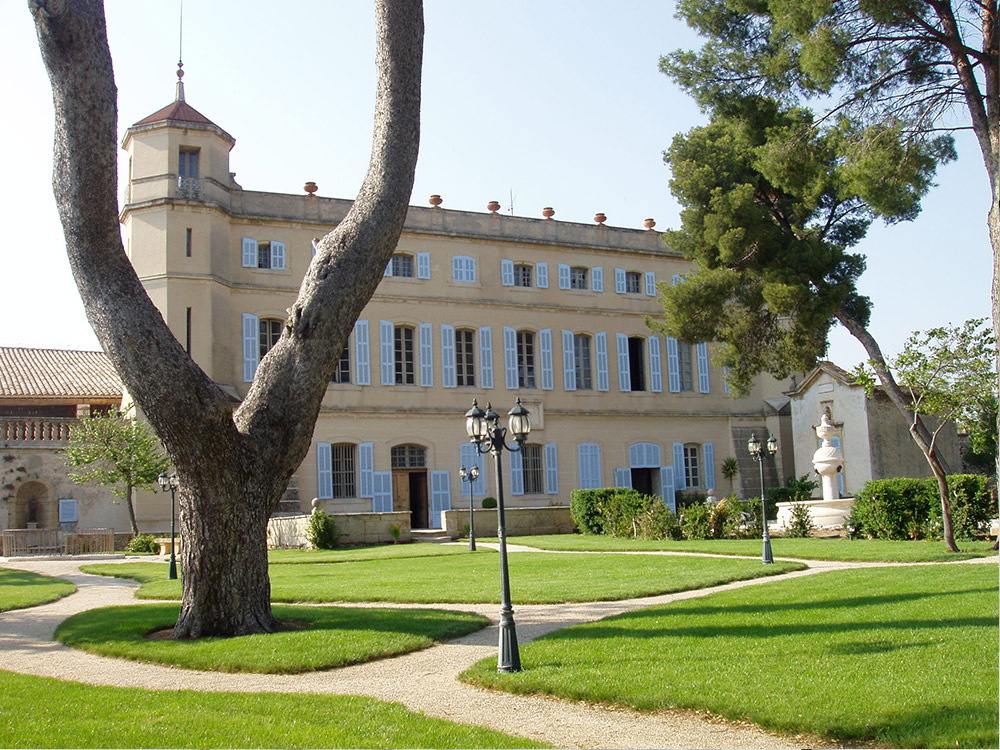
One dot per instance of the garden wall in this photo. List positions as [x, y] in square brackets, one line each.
[285, 532]
[552, 519]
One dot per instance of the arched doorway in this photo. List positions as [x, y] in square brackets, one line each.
[409, 483]
[32, 507]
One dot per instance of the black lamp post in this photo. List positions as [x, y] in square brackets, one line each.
[170, 483]
[753, 445]
[470, 476]
[488, 436]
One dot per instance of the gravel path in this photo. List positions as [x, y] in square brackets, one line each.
[422, 681]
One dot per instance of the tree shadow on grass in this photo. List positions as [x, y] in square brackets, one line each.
[954, 725]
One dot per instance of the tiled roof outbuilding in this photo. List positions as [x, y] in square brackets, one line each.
[58, 373]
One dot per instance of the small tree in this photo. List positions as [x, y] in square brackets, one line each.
[730, 468]
[949, 374]
[116, 452]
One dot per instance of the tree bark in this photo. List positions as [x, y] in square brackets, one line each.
[918, 430]
[131, 509]
[232, 467]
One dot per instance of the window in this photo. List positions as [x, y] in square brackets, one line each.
[187, 243]
[687, 372]
[187, 165]
[692, 474]
[581, 353]
[343, 372]
[633, 282]
[402, 265]
[343, 464]
[409, 456]
[522, 275]
[270, 332]
[577, 278]
[636, 366]
[263, 254]
[403, 355]
[533, 467]
[463, 268]
[525, 359]
[465, 372]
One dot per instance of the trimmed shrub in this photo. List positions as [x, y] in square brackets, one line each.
[622, 512]
[802, 524]
[972, 505]
[321, 532]
[489, 502]
[586, 511]
[142, 544]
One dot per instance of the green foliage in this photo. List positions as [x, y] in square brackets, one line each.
[655, 521]
[584, 507]
[394, 532]
[801, 523]
[622, 512]
[981, 453]
[321, 531]
[911, 508]
[489, 502]
[730, 468]
[142, 544]
[696, 522]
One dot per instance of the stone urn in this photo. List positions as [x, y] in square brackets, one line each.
[600, 218]
[435, 200]
[548, 212]
[493, 206]
[310, 187]
[828, 460]
[649, 224]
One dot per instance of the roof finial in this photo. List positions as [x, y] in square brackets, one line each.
[180, 58]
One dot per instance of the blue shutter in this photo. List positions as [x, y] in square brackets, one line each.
[423, 265]
[278, 255]
[650, 284]
[386, 352]
[667, 488]
[623, 478]
[679, 481]
[589, 459]
[251, 346]
[366, 470]
[703, 382]
[468, 457]
[363, 368]
[388, 269]
[708, 457]
[249, 253]
[486, 357]
[440, 496]
[655, 365]
[324, 471]
[426, 355]
[677, 279]
[551, 469]
[673, 366]
[516, 474]
[382, 492]
[457, 271]
[597, 279]
[569, 361]
[624, 374]
[542, 275]
[448, 376]
[510, 357]
[548, 367]
[620, 286]
[725, 379]
[601, 345]
[507, 272]
[563, 276]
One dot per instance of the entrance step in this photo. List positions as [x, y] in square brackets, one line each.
[434, 536]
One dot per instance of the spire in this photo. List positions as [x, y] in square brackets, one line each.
[179, 96]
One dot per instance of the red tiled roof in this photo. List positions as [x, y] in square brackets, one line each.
[37, 373]
[177, 111]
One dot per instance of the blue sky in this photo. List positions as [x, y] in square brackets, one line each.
[537, 104]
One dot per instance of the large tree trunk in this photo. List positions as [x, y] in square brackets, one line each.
[918, 430]
[232, 468]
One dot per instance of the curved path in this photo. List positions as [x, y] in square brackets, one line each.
[422, 681]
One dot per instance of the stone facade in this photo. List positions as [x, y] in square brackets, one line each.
[553, 519]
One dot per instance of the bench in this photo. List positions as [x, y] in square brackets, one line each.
[164, 545]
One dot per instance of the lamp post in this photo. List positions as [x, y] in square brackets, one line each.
[470, 476]
[488, 436]
[753, 445]
[170, 483]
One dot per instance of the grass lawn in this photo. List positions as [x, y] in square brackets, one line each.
[863, 550]
[899, 656]
[475, 578]
[41, 712]
[353, 554]
[331, 637]
[19, 588]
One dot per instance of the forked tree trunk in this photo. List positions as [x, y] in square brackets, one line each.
[918, 430]
[232, 467]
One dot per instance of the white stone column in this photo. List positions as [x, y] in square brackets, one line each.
[828, 459]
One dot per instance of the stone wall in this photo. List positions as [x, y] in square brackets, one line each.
[285, 532]
[552, 519]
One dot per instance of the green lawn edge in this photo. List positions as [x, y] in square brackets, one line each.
[329, 637]
[844, 550]
[902, 657]
[20, 589]
[41, 712]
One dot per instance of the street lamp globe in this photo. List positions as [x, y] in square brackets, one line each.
[753, 445]
[519, 423]
[475, 422]
[772, 445]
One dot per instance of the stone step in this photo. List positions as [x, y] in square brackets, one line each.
[433, 536]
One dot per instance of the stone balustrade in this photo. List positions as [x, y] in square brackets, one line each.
[36, 432]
